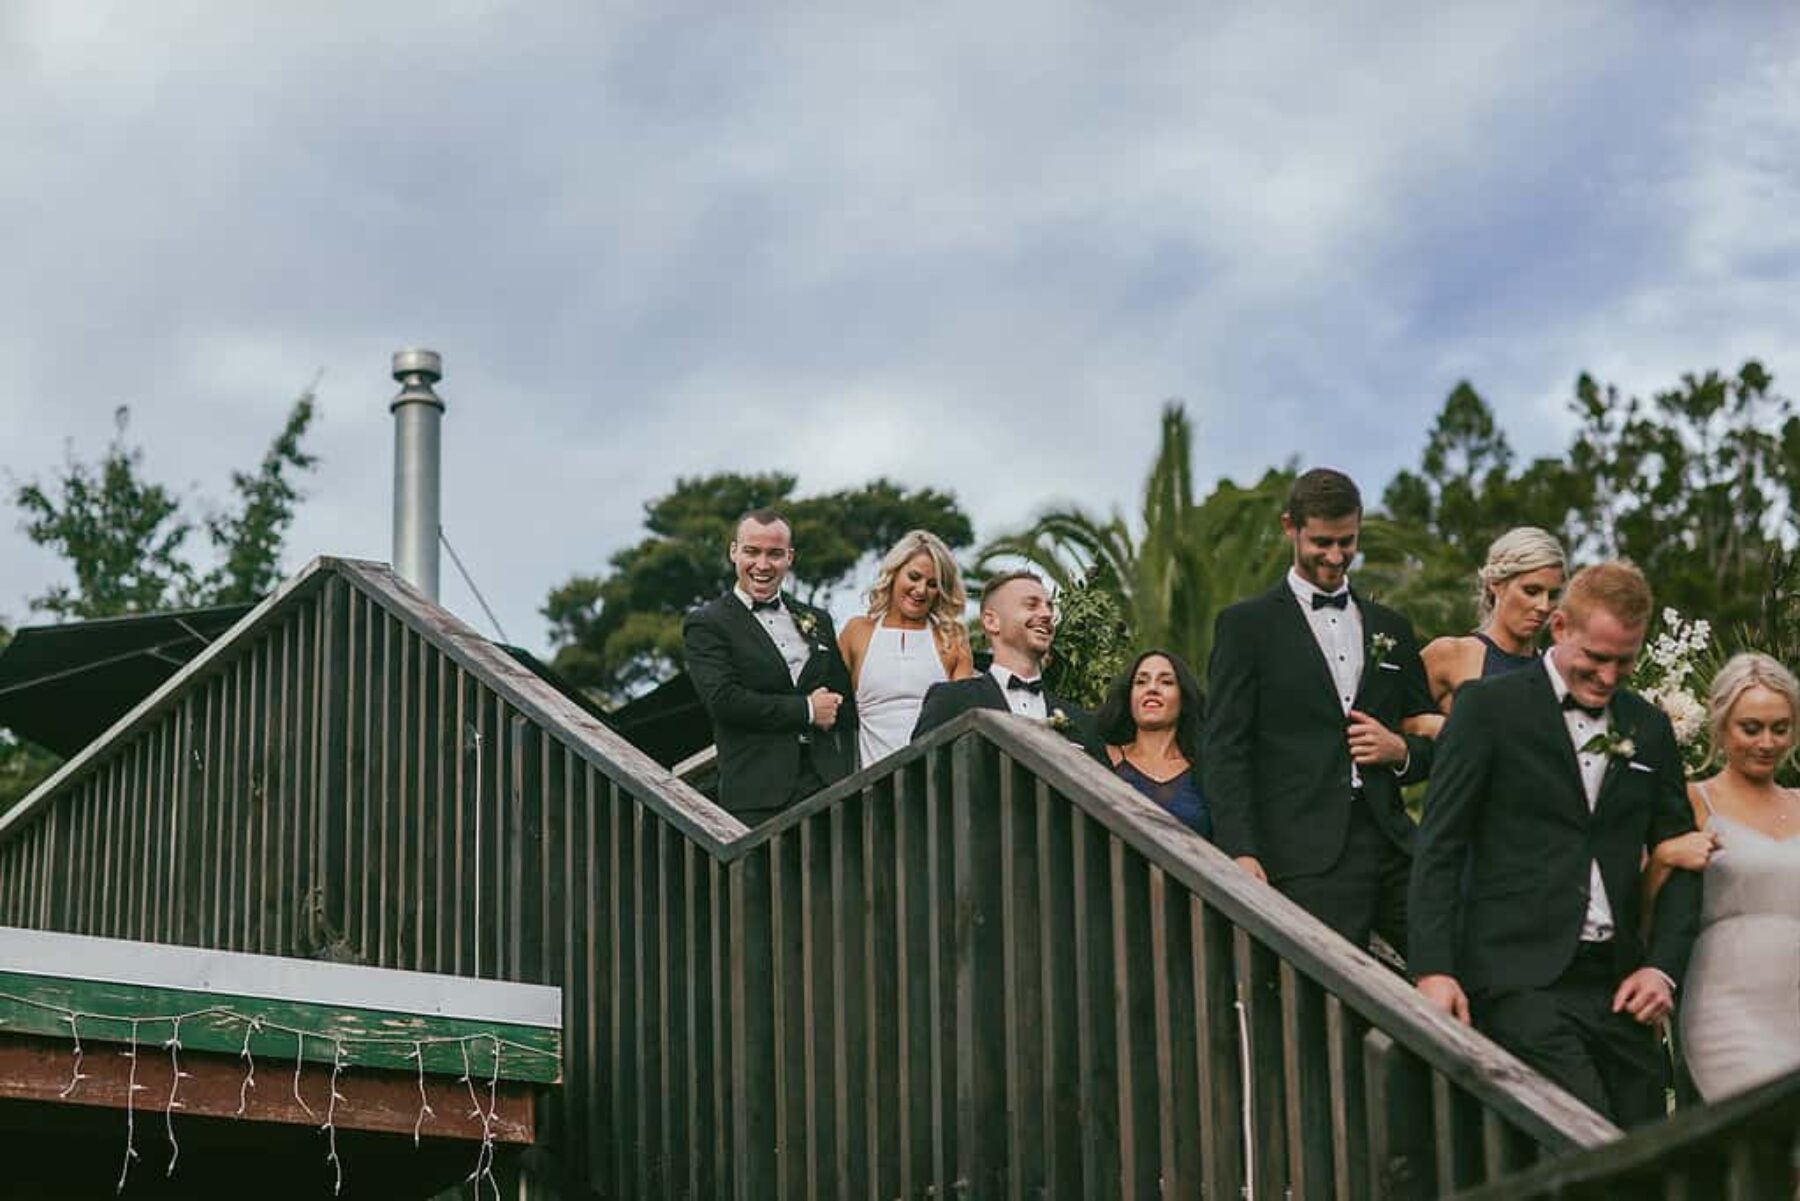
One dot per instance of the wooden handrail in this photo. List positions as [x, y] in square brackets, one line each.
[1742, 1146]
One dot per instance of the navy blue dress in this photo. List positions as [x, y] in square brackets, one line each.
[1497, 662]
[1180, 796]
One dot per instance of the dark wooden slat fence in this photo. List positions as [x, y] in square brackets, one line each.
[984, 968]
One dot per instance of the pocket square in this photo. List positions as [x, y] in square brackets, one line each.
[1388, 666]
[1634, 765]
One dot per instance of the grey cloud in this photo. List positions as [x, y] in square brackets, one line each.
[966, 247]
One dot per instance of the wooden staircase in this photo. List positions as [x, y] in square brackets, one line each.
[983, 968]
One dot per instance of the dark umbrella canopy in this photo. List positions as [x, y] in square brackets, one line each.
[62, 686]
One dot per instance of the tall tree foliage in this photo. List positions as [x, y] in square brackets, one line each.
[1180, 563]
[620, 633]
[127, 541]
[1698, 485]
[122, 537]
[249, 536]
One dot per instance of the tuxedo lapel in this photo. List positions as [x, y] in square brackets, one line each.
[1615, 764]
[1547, 715]
[753, 632]
[1370, 627]
[992, 694]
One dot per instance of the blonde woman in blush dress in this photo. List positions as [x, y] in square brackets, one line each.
[1740, 1002]
[912, 637]
[1516, 591]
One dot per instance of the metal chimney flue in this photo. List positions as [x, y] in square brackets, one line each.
[418, 418]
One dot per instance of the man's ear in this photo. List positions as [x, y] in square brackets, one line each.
[990, 623]
[1288, 527]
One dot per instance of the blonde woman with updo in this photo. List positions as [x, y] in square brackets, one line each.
[1516, 590]
[1740, 1011]
[913, 637]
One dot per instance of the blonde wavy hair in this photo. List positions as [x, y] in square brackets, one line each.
[1742, 672]
[1514, 553]
[946, 614]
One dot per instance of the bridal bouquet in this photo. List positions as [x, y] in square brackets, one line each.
[1668, 676]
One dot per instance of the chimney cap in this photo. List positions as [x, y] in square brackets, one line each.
[417, 361]
[416, 370]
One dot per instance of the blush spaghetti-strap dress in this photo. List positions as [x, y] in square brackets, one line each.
[1740, 1003]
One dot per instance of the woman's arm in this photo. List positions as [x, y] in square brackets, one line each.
[957, 655]
[853, 644]
[1686, 852]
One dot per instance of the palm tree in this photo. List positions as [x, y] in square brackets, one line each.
[1185, 561]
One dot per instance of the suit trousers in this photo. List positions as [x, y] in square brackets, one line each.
[1569, 1032]
[807, 782]
[1365, 890]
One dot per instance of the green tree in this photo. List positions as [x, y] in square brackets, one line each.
[249, 536]
[122, 536]
[1181, 563]
[620, 633]
[1698, 485]
[126, 540]
[1464, 493]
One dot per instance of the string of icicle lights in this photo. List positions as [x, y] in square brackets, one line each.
[255, 1024]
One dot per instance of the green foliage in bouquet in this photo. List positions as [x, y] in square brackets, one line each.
[1093, 641]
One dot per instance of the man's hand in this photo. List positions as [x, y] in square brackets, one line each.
[825, 704]
[1252, 867]
[1645, 995]
[1372, 743]
[1446, 994]
[1690, 852]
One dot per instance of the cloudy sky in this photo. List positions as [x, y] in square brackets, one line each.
[974, 246]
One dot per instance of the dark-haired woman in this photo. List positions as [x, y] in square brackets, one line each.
[1151, 722]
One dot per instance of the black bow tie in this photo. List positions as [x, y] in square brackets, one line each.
[757, 606]
[1035, 687]
[1332, 600]
[1594, 711]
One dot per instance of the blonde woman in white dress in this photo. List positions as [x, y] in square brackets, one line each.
[912, 637]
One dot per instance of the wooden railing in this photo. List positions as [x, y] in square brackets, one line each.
[982, 968]
[1746, 1147]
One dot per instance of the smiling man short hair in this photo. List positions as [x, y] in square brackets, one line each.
[769, 673]
[1019, 619]
[1307, 687]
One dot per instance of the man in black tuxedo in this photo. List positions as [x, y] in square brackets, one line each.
[1550, 785]
[1020, 621]
[768, 670]
[1309, 684]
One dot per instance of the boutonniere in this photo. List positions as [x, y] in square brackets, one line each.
[1379, 646]
[1059, 720]
[806, 622]
[1616, 743]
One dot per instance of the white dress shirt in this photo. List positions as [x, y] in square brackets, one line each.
[782, 632]
[1597, 924]
[789, 642]
[1025, 704]
[1339, 633]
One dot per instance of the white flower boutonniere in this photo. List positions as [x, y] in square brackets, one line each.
[1059, 720]
[1615, 743]
[1379, 646]
[806, 622]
